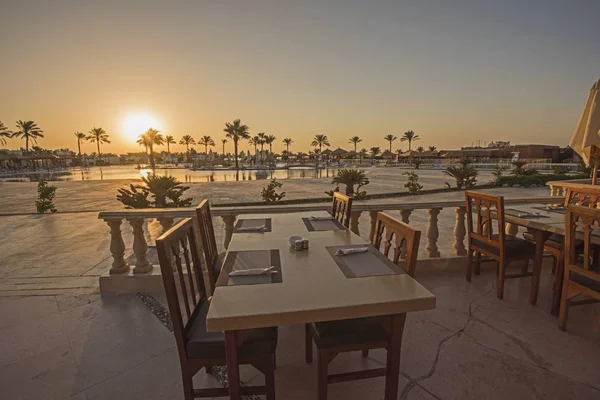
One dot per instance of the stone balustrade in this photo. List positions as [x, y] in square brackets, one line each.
[167, 217]
[559, 188]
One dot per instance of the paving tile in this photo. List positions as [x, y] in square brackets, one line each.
[417, 393]
[17, 310]
[48, 375]
[66, 302]
[102, 355]
[31, 338]
[467, 370]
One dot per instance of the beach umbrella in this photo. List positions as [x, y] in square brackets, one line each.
[586, 139]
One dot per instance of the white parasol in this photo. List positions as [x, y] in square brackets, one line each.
[586, 139]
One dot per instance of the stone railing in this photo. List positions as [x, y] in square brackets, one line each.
[166, 218]
[559, 188]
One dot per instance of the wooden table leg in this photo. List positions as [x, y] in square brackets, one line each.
[233, 366]
[558, 280]
[540, 238]
[392, 373]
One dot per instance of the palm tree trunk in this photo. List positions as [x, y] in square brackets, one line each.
[409, 141]
[235, 151]
[152, 165]
[98, 145]
[349, 189]
[390, 146]
[206, 149]
[287, 148]
[168, 149]
[223, 148]
[79, 147]
[355, 147]
[26, 144]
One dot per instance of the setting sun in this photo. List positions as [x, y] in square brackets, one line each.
[136, 124]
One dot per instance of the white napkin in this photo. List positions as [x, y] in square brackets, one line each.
[253, 271]
[353, 250]
[261, 228]
[327, 218]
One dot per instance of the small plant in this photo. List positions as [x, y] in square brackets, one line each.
[417, 163]
[413, 185]
[498, 172]
[350, 178]
[45, 195]
[166, 191]
[269, 194]
[560, 170]
[464, 174]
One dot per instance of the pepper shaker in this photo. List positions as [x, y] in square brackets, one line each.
[298, 245]
[305, 243]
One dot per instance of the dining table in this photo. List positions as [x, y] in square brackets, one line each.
[305, 286]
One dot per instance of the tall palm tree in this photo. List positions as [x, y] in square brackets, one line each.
[269, 139]
[262, 139]
[355, 140]
[409, 136]
[287, 142]
[169, 140]
[362, 154]
[152, 138]
[236, 131]
[206, 141]
[420, 149]
[80, 138]
[4, 133]
[390, 138]
[320, 141]
[375, 151]
[187, 140]
[28, 130]
[98, 135]
[224, 141]
[255, 141]
[432, 149]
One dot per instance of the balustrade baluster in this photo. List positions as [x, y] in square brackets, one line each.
[405, 215]
[166, 223]
[354, 221]
[228, 220]
[117, 248]
[373, 215]
[458, 248]
[432, 233]
[140, 247]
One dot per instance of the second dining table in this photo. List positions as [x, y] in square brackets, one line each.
[306, 286]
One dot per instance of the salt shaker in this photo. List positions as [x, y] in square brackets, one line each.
[305, 243]
[298, 245]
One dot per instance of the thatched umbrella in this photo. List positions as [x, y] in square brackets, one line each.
[339, 153]
[586, 139]
[388, 154]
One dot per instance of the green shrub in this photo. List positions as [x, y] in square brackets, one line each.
[498, 172]
[351, 177]
[417, 163]
[45, 197]
[537, 179]
[519, 169]
[166, 191]
[269, 194]
[464, 174]
[413, 185]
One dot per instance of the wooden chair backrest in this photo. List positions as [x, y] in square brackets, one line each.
[580, 225]
[587, 197]
[342, 208]
[207, 237]
[182, 277]
[399, 236]
[482, 210]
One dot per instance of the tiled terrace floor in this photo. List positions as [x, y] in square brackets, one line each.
[472, 346]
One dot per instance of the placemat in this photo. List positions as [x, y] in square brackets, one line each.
[252, 223]
[522, 214]
[323, 225]
[360, 265]
[239, 260]
[555, 210]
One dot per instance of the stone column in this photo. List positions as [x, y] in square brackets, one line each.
[432, 233]
[373, 215]
[117, 248]
[512, 229]
[228, 220]
[458, 248]
[140, 247]
[166, 223]
[354, 221]
[405, 215]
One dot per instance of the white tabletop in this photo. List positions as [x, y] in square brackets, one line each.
[313, 286]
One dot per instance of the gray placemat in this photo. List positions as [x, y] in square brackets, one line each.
[323, 225]
[523, 214]
[252, 223]
[240, 260]
[360, 265]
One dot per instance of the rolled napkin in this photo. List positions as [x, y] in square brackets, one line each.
[352, 250]
[253, 271]
[261, 228]
[327, 218]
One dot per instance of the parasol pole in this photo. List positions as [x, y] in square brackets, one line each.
[594, 154]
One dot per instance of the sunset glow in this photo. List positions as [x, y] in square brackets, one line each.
[136, 124]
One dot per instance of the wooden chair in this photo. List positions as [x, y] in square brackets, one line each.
[582, 259]
[342, 208]
[485, 226]
[188, 304]
[334, 337]
[213, 259]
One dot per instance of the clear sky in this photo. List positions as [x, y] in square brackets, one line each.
[454, 71]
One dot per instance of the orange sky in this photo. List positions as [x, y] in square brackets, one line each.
[452, 74]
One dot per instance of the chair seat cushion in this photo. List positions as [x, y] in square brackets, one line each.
[203, 344]
[555, 240]
[585, 281]
[348, 331]
[514, 247]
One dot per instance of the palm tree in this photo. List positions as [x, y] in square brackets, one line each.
[28, 130]
[409, 137]
[363, 154]
[269, 139]
[80, 137]
[4, 133]
[420, 149]
[351, 177]
[149, 139]
[390, 138]
[320, 141]
[432, 149]
[224, 141]
[236, 131]
[262, 139]
[255, 141]
[287, 142]
[98, 135]
[375, 151]
[355, 140]
[169, 140]
[187, 140]
[206, 141]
